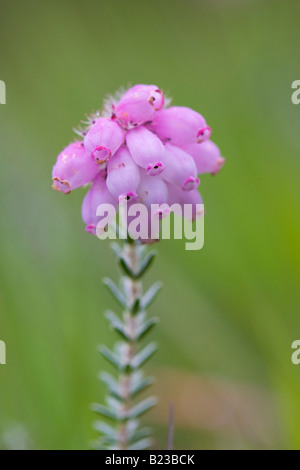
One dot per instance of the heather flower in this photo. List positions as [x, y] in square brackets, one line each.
[152, 191]
[138, 105]
[180, 126]
[143, 158]
[189, 202]
[98, 195]
[207, 157]
[146, 149]
[73, 168]
[139, 150]
[180, 168]
[123, 175]
[103, 139]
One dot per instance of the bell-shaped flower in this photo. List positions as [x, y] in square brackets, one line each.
[207, 157]
[97, 196]
[73, 168]
[103, 139]
[152, 191]
[179, 126]
[138, 105]
[188, 204]
[146, 150]
[180, 168]
[123, 175]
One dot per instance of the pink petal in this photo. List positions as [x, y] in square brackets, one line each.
[180, 168]
[146, 149]
[152, 191]
[207, 157]
[97, 195]
[103, 139]
[179, 125]
[191, 198]
[123, 175]
[138, 105]
[73, 168]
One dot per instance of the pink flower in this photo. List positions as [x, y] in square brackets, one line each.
[180, 126]
[182, 198]
[123, 175]
[207, 157]
[138, 105]
[103, 139]
[152, 191]
[146, 149]
[73, 168]
[97, 196]
[139, 151]
[180, 168]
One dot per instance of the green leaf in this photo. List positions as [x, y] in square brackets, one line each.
[141, 408]
[115, 405]
[106, 429]
[146, 263]
[144, 355]
[126, 268]
[110, 356]
[111, 383]
[117, 294]
[150, 295]
[104, 411]
[140, 434]
[134, 309]
[143, 444]
[116, 249]
[117, 325]
[146, 327]
[141, 385]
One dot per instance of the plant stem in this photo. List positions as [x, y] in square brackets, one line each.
[128, 357]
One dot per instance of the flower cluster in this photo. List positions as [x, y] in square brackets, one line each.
[139, 150]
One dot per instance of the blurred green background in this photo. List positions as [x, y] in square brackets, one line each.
[230, 312]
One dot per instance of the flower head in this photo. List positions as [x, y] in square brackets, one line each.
[139, 150]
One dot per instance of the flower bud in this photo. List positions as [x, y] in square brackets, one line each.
[146, 150]
[97, 195]
[103, 139]
[138, 105]
[180, 168]
[123, 175]
[152, 191]
[179, 125]
[207, 157]
[179, 197]
[73, 168]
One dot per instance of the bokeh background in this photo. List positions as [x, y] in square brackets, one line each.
[230, 312]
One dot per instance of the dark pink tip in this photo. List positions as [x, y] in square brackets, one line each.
[127, 197]
[101, 154]
[204, 134]
[62, 186]
[91, 229]
[162, 213]
[191, 183]
[155, 169]
[157, 99]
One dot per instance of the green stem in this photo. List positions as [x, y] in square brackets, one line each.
[128, 357]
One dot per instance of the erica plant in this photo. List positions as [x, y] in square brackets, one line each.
[137, 150]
